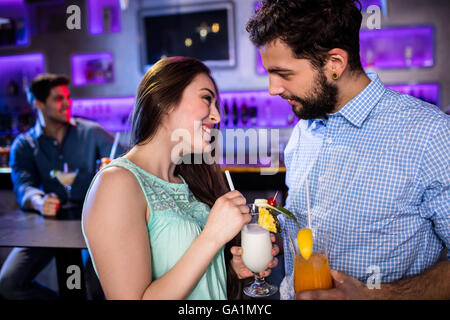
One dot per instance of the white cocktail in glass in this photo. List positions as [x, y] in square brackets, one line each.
[66, 178]
[257, 253]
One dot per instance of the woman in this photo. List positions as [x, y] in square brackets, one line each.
[156, 226]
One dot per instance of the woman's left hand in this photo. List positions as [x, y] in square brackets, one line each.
[242, 271]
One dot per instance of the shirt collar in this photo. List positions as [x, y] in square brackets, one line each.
[358, 109]
[38, 132]
[315, 123]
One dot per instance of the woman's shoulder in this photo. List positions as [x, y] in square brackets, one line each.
[115, 177]
[115, 187]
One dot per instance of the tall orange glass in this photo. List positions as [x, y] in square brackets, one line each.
[313, 273]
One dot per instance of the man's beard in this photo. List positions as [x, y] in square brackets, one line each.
[58, 120]
[322, 102]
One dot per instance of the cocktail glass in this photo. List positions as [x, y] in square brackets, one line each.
[66, 178]
[312, 273]
[257, 253]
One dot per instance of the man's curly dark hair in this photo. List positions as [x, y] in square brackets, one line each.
[310, 28]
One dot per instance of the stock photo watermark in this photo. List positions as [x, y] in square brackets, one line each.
[374, 280]
[73, 21]
[227, 309]
[74, 279]
[255, 147]
[373, 18]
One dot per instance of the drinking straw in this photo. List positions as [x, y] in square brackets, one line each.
[275, 196]
[114, 146]
[230, 182]
[308, 204]
[66, 167]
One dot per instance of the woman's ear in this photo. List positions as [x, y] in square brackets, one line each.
[169, 110]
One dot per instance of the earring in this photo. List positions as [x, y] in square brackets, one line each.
[335, 75]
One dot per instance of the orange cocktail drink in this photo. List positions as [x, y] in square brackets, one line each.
[313, 273]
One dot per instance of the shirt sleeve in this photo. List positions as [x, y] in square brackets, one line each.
[435, 179]
[24, 174]
[104, 143]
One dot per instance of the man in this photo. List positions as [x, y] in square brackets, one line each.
[376, 161]
[55, 140]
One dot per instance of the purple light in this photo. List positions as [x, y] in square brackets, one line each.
[12, 8]
[428, 92]
[367, 3]
[259, 64]
[92, 68]
[12, 2]
[23, 58]
[21, 69]
[15, 10]
[104, 16]
[111, 113]
[115, 102]
[390, 48]
[397, 47]
[382, 4]
[271, 111]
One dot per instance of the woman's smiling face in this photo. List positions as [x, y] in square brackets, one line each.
[195, 115]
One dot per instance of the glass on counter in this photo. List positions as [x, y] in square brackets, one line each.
[4, 156]
[101, 163]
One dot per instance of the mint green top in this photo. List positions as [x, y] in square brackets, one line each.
[176, 219]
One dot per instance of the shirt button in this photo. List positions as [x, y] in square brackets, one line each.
[321, 178]
[329, 140]
[60, 156]
[55, 143]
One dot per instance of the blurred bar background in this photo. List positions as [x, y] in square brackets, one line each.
[119, 39]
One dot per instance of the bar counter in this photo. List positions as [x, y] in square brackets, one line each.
[245, 177]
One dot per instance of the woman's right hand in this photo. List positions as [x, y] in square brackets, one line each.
[227, 217]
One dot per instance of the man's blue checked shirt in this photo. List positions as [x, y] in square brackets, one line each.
[379, 180]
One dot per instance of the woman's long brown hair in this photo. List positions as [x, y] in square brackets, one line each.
[160, 89]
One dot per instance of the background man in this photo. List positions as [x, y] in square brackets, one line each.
[56, 139]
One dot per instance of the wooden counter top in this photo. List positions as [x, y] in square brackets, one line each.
[255, 169]
[5, 170]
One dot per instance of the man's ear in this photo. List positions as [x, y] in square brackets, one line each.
[38, 105]
[336, 64]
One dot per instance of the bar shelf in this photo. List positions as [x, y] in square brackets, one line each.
[404, 47]
[104, 16]
[92, 68]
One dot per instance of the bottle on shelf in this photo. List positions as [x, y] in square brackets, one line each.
[225, 113]
[244, 113]
[235, 113]
[107, 19]
[254, 116]
[421, 96]
[267, 112]
[109, 72]
[408, 55]
[406, 91]
[253, 112]
[369, 60]
[25, 82]
[13, 88]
